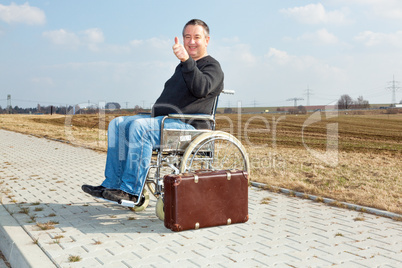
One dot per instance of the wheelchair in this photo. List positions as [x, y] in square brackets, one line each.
[185, 151]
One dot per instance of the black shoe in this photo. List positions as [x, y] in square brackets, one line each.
[118, 195]
[93, 190]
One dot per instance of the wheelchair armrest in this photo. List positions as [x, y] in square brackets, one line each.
[192, 116]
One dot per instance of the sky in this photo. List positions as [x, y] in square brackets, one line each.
[72, 52]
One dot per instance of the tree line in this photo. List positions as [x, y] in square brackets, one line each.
[38, 110]
[76, 109]
[346, 102]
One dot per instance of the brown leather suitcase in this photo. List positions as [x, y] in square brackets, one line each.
[205, 199]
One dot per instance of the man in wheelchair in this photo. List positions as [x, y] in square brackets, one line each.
[193, 88]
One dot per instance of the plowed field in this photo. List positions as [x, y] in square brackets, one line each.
[354, 158]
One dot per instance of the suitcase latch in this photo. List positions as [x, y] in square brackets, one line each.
[195, 178]
[229, 221]
[197, 225]
[228, 175]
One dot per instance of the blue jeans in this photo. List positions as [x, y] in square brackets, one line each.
[130, 143]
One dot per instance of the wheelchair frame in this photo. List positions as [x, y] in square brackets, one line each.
[178, 146]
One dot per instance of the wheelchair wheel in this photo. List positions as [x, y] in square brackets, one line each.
[144, 205]
[160, 212]
[151, 180]
[215, 150]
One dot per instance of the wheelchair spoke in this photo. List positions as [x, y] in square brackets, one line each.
[216, 153]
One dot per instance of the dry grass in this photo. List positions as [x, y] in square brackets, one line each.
[363, 169]
[74, 258]
[59, 127]
[47, 225]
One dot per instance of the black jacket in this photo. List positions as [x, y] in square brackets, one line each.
[192, 89]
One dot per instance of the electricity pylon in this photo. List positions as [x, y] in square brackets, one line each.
[295, 100]
[393, 87]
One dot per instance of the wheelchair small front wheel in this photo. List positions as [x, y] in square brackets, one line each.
[144, 204]
[159, 209]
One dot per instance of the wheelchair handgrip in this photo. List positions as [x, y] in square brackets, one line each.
[228, 91]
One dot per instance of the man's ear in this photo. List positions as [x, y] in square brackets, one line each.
[207, 40]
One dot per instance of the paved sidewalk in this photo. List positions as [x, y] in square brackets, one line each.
[40, 182]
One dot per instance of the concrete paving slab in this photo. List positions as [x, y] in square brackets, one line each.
[3, 264]
[47, 220]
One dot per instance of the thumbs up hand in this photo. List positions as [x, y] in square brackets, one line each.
[179, 50]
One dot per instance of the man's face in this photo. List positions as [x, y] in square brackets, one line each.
[195, 41]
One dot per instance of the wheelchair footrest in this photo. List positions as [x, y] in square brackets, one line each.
[131, 204]
[127, 203]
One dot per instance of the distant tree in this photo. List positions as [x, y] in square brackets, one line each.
[113, 106]
[297, 110]
[62, 110]
[227, 111]
[345, 102]
[361, 103]
[302, 109]
[293, 110]
[138, 109]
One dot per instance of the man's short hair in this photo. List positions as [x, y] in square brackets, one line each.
[200, 23]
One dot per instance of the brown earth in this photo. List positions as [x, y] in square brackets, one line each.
[353, 158]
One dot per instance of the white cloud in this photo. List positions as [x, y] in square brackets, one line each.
[388, 9]
[62, 37]
[321, 36]
[118, 49]
[136, 42]
[42, 80]
[316, 14]
[244, 56]
[280, 57]
[152, 49]
[133, 80]
[22, 14]
[234, 39]
[89, 38]
[153, 42]
[371, 39]
[299, 63]
[277, 75]
[94, 35]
